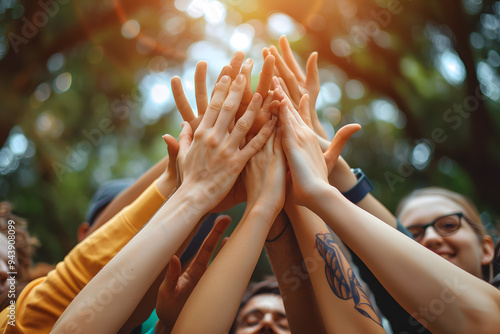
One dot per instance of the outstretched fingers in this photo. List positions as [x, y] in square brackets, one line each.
[200, 84]
[290, 61]
[173, 149]
[180, 100]
[230, 106]
[235, 63]
[169, 285]
[287, 75]
[341, 137]
[266, 76]
[220, 92]
[185, 139]
[288, 125]
[199, 265]
[246, 70]
[245, 122]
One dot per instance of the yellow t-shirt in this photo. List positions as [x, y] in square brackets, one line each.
[43, 300]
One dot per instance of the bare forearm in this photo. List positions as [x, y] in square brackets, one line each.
[156, 242]
[412, 274]
[344, 179]
[293, 279]
[342, 301]
[224, 292]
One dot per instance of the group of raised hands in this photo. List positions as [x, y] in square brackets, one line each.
[269, 149]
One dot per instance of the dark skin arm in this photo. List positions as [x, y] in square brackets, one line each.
[295, 284]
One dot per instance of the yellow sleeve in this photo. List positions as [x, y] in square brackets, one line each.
[45, 299]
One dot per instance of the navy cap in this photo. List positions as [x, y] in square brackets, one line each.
[104, 195]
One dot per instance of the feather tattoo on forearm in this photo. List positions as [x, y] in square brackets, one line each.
[341, 278]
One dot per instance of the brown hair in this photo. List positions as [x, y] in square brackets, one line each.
[470, 212]
[25, 244]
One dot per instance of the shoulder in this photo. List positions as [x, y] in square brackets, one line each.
[496, 281]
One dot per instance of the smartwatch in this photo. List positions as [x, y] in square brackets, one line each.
[360, 189]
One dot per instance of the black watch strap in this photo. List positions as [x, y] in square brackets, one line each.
[362, 187]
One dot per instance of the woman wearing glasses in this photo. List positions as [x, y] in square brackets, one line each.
[448, 224]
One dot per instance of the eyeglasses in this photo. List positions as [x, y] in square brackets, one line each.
[444, 226]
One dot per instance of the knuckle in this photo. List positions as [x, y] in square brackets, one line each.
[242, 124]
[199, 134]
[211, 141]
[215, 105]
[228, 106]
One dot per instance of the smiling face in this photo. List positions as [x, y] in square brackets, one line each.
[263, 313]
[464, 248]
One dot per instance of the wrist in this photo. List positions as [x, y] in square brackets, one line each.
[324, 192]
[267, 212]
[341, 176]
[166, 185]
[195, 197]
[362, 187]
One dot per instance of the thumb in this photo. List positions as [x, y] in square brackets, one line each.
[174, 271]
[341, 137]
[185, 137]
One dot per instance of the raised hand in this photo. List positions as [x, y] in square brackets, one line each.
[167, 182]
[176, 287]
[264, 175]
[212, 159]
[309, 167]
[294, 82]
[235, 66]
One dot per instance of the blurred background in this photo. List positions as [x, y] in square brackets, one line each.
[85, 92]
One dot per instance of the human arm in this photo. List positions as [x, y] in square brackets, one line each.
[176, 286]
[413, 275]
[215, 300]
[333, 279]
[209, 163]
[293, 279]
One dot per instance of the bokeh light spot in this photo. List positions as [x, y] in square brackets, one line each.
[131, 29]
[160, 93]
[55, 62]
[242, 37]
[62, 82]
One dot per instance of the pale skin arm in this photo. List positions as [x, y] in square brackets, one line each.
[293, 279]
[203, 161]
[295, 85]
[215, 300]
[413, 275]
[343, 303]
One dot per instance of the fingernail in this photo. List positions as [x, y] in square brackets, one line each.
[182, 125]
[248, 61]
[256, 97]
[224, 79]
[239, 78]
